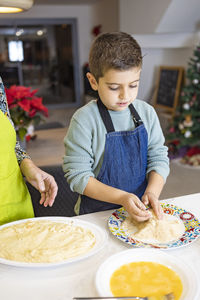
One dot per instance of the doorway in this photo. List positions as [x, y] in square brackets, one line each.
[42, 54]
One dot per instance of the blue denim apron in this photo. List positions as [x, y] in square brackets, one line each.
[125, 161]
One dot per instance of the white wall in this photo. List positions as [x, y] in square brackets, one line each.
[181, 16]
[153, 59]
[106, 12]
[141, 16]
[145, 19]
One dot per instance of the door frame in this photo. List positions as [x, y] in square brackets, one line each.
[73, 22]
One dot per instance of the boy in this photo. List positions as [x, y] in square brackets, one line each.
[115, 153]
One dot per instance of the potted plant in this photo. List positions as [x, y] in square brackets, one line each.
[25, 108]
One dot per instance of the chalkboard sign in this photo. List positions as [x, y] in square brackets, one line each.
[168, 87]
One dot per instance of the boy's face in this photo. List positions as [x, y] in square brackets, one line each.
[117, 89]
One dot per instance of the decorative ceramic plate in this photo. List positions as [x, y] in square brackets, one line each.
[98, 232]
[192, 228]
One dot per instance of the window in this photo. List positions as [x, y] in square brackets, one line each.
[15, 51]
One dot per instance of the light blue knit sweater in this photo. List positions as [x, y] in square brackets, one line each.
[85, 142]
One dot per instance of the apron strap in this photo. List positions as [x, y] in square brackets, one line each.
[136, 118]
[107, 118]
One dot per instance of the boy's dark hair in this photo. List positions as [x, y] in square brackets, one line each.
[115, 50]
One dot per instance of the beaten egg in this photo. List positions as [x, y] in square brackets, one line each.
[145, 279]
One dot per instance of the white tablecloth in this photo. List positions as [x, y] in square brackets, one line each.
[77, 279]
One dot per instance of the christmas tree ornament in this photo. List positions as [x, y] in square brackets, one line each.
[195, 81]
[172, 129]
[188, 121]
[187, 134]
[194, 97]
[180, 126]
[198, 66]
[186, 106]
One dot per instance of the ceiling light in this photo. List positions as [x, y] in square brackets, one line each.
[19, 32]
[40, 32]
[15, 6]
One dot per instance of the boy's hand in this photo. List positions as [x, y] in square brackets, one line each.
[150, 199]
[135, 207]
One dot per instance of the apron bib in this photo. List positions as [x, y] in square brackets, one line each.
[15, 200]
[125, 161]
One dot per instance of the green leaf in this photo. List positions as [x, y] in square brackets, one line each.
[21, 133]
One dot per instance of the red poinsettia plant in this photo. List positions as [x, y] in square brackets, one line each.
[25, 108]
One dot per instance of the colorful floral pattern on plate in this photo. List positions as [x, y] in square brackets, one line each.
[192, 228]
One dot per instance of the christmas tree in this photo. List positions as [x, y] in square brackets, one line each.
[184, 132]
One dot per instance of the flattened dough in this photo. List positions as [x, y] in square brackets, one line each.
[44, 241]
[165, 230]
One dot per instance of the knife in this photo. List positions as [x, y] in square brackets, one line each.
[169, 296]
[110, 298]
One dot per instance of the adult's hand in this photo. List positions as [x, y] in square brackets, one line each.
[42, 181]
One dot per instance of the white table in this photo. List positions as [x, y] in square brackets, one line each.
[77, 279]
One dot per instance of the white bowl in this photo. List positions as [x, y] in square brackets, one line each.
[186, 273]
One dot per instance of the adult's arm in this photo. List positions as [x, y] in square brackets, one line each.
[20, 153]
